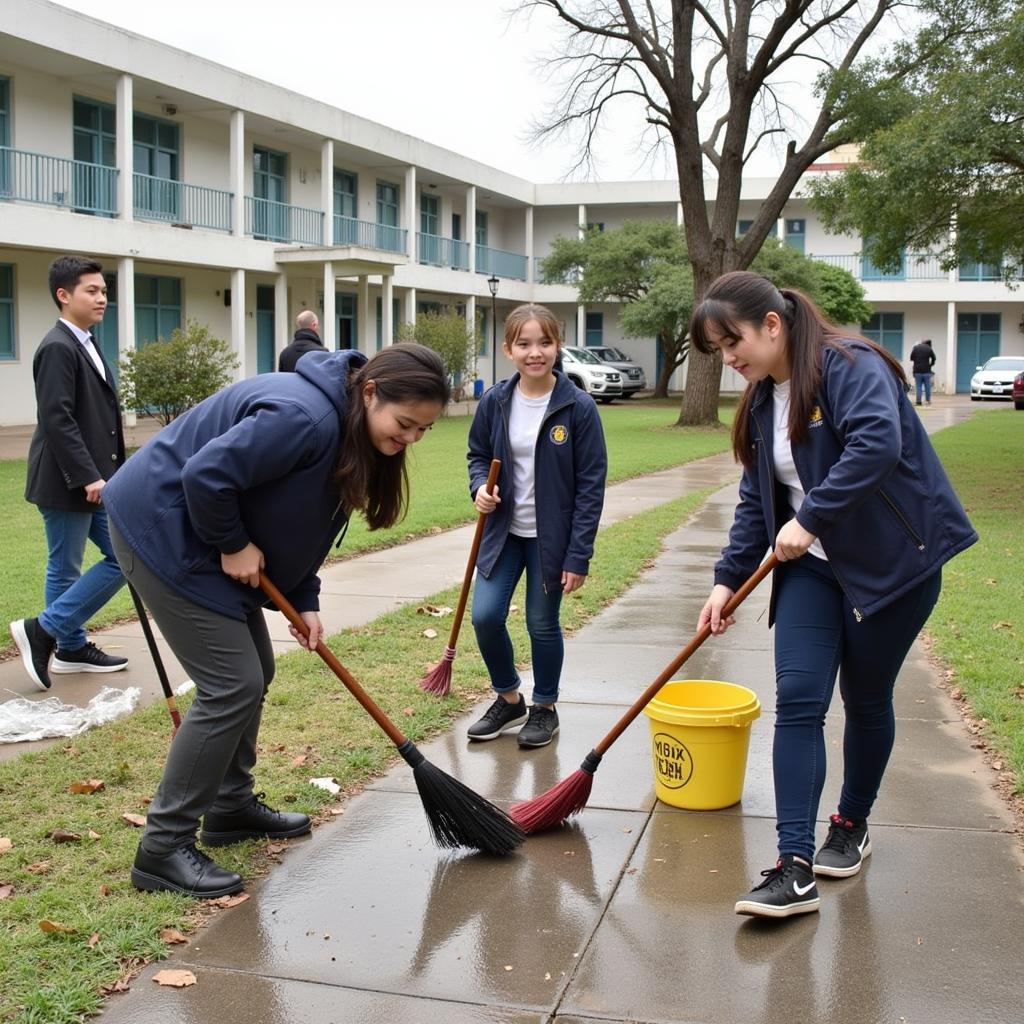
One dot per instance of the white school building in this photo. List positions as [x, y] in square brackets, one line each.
[211, 195]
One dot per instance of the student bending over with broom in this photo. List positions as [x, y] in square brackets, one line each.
[263, 474]
[840, 477]
[542, 517]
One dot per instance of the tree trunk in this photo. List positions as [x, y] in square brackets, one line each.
[700, 399]
[664, 376]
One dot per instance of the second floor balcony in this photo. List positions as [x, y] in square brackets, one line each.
[176, 202]
[282, 222]
[365, 233]
[501, 263]
[56, 181]
[436, 251]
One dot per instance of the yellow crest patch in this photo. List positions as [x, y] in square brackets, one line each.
[559, 434]
[815, 416]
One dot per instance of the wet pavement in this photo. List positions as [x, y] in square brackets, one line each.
[626, 914]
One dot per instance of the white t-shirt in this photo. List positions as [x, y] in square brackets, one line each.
[525, 418]
[782, 452]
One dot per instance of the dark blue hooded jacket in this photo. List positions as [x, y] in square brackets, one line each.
[254, 462]
[570, 466]
[876, 494]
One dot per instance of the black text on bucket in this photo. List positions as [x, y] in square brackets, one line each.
[672, 761]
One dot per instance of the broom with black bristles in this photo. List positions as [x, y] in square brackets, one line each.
[457, 815]
[439, 679]
[552, 808]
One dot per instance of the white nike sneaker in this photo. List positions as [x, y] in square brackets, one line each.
[787, 889]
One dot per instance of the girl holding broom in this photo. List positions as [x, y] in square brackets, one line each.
[542, 517]
[264, 474]
[840, 478]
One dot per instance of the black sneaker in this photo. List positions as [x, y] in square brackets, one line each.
[498, 718]
[844, 849]
[254, 821]
[540, 728]
[788, 888]
[36, 646]
[87, 659]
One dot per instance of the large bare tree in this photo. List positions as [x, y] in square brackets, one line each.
[712, 79]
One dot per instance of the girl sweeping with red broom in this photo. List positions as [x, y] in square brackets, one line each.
[542, 517]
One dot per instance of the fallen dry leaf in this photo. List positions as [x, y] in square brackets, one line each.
[62, 835]
[138, 820]
[172, 936]
[298, 762]
[433, 609]
[93, 939]
[337, 812]
[5, 844]
[430, 634]
[92, 834]
[104, 890]
[276, 849]
[1002, 625]
[53, 926]
[6, 889]
[88, 786]
[114, 988]
[408, 712]
[230, 901]
[39, 867]
[175, 979]
[508, 967]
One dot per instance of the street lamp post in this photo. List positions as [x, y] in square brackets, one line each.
[492, 283]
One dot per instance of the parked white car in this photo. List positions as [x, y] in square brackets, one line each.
[589, 374]
[995, 378]
[633, 378]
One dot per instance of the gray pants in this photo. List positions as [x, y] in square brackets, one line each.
[210, 763]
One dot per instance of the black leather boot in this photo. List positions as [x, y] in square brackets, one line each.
[254, 821]
[185, 869]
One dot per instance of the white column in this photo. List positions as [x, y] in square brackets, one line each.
[329, 320]
[581, 220]
[126, 314]
[679, 215]
[581, 325]
[410, 306]
[327, 189]
[124, 148]
[386, 326]
[471, 225]
[950, 348]
[282, 323]
[238, 340]
[237, 172]
[780, 229]
[366, 318]
[471, 326]
[528, 244]
[411, 207]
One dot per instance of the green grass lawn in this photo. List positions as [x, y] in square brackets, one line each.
[83, 885]
[978, 624]
[640, 439]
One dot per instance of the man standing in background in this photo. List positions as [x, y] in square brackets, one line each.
[306, 340]
[922, 359]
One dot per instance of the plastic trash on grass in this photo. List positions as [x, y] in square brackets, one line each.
[24, 720]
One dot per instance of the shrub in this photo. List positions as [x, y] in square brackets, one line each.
[166, 378]
[449, 335]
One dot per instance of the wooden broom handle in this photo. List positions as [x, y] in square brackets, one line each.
[368, 703]
[670, 670]
[481, 520]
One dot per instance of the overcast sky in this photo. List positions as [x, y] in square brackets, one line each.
[458, 73]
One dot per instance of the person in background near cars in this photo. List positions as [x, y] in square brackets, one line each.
[922, 358]
[265, 473]
[839, 477]
[77, 446]
[542, 517]
[306, 340]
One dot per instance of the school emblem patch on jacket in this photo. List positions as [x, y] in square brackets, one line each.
[815, 420]
[559, 434]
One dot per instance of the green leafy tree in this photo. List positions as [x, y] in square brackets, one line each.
[714, 81]
[448, 334]
[953, 160]
[166, 378]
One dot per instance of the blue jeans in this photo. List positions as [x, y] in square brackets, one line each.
[491, 599]
[923, 381]
[71, 598]
[816, 636]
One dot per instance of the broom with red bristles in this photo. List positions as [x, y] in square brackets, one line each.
[552, 808]
[439, 679]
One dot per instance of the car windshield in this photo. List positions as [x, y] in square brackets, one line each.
[617, 353]
[603, 353]
[583, 356]
[1004, 363]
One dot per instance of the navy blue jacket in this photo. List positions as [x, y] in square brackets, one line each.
[876, 493]
[570, 467]
[254, 462]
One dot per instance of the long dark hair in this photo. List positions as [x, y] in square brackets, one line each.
[369, 480]
[744, 297]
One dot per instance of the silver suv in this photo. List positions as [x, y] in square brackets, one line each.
[633, 379]
[589, 374]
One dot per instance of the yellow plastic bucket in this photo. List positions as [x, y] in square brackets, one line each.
[700, 734]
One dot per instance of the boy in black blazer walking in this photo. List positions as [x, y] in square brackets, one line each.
[78, 443]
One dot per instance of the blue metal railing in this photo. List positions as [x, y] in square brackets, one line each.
[350, 231]
[501, 263]
[914, 267]
[178, 203]
[571, 276]
[437, 251]
[282, 222]
[56, 181]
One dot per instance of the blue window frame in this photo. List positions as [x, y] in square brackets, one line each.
[457, 226]
[595, 329]
[742, 227]
[796, 234]
[94, 141]
[265, 328]
[269, 183]
[156, 154]
[157, 307]
[887, 330]
[346, 307]
[387, 217]
[7, 346]
[345, 193]
[869, 272]
[481, 227]
[430, 248]
[972, 271]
